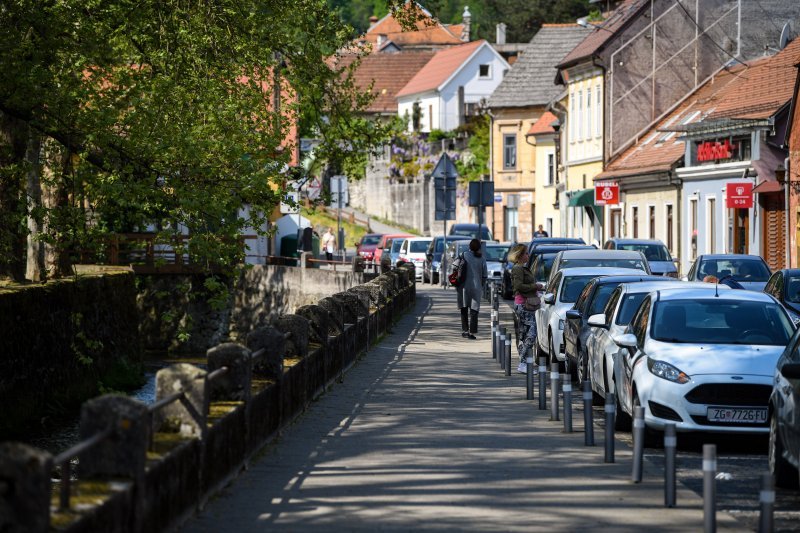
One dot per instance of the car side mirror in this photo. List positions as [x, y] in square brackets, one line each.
[791, 371]
[598, 321]
[573, 314]
[626, 340]
[549, 298]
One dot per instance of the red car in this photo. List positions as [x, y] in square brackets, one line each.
[366, 246]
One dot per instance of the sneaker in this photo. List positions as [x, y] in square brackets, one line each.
[522, 368]
[465, 334]
[471, 336]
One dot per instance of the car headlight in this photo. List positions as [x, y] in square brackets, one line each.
[666, 371]
[561, 324]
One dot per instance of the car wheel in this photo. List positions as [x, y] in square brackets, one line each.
[582, 370]
[785, 474]
[652, 438]
[622, 422]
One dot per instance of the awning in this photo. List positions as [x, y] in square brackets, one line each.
[584, 198]
[767, 186]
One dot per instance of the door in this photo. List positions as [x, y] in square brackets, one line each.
[773, 225]
[741, 229]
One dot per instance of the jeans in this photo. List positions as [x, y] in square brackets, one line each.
[527, 331]
[472, 327]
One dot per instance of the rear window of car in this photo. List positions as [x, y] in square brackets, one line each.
[572, 287]
[614, 263]
[418, 246]
[652, 252]
[495, 253]
[371, 239]
[740, 269]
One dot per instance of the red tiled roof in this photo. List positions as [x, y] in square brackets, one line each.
[427, 32]
[440, 68]
[542, 125]
[598, 38]
[388, 73]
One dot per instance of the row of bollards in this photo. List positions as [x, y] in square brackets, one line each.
[560, 384]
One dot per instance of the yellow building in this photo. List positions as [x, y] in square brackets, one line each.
[543, 135]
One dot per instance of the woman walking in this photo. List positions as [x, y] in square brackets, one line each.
[470, 292]
[526, 302]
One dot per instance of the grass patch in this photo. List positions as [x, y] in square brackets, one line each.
[320, 221]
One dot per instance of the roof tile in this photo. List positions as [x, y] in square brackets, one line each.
[440, 68]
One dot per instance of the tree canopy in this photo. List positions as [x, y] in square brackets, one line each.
[130, 112]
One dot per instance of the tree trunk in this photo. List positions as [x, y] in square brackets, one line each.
[13, 143]
[35, 270]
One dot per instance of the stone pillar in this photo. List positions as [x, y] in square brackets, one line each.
[24, 488]
[123, 454]
[297, 327]
[188, 416]
[235, 383]
[270, 364]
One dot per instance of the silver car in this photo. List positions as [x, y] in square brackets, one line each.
[750, 271]
[600, 258]
[703, 359]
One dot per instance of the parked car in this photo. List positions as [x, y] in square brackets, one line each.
[495, 254]
[703, 358]
[602, 351]
[751, 271]
[413, 251]
[784, 418]
[599, 258]
[534, 251]
[559, 296]
[591, 301]
[471, 231]
[784, 286]
[544, 260]
[655, 251]
[393, 248]
[537, 241]
[382, 244]
[367, 244]
[433, 257]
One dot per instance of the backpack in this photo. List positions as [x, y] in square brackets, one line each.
[458, 272]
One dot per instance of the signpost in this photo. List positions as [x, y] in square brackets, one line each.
[444, 184]
[339, 199]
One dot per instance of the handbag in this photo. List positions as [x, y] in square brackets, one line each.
[532, 303]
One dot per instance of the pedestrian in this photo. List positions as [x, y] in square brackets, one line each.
[470, 292]
[526, 302]
[540, 232]
[328, 243]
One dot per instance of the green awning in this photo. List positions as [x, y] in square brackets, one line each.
[584, 198]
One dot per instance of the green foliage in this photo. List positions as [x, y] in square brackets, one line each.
[474, 161]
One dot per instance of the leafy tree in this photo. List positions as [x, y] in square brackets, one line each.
[164, 110]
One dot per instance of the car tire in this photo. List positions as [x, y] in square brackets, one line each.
[652, 437]
[581, 368]
[786, 475]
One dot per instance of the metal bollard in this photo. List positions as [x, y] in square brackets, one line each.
[611, 411]
[588, 415]
[542, 383]
[554, 382]
[638, 443]
[709, 488]
[501, 346]
[670, 447]
[529, 376]
[766, 522]
[494, 334]
[567, 389]
[508, 355]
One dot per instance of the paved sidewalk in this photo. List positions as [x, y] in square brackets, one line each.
[427, 433]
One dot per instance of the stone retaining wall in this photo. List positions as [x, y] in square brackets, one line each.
[200, 443]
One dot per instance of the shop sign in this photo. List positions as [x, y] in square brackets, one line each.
[606, 193]
[714, 150]
[739, 195]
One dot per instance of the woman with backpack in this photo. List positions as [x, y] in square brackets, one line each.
[470, 290]
[526, 302]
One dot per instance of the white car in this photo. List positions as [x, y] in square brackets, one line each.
[630, 259]
[601, 350]
[560, 295]
[703, 359]
[413, 251]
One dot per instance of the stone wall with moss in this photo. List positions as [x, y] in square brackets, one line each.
[63, 342]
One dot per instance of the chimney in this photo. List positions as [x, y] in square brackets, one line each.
[382, 38]
[466, 18]
[501, 33]
[372, 21]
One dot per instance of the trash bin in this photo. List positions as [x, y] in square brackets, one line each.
[289, 249]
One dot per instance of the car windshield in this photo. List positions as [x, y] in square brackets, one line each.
[614, 263]
[601, 297]
[419, 246]
[370, 239]
[651, 251]
[740, 269]
[792, 289]
[572, 287]
[396, 245]
[718, 321]
[630, 303]
[495, 253]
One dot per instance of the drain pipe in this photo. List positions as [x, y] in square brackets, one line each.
[786, 178]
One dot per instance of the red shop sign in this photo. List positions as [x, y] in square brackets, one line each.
[739, 195]
[713, 150]
[606, 193]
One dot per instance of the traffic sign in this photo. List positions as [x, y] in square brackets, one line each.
[606, 193]
[314, 189]
[739, 195]
[444, 183]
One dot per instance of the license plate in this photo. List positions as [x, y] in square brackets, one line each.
[752, 415]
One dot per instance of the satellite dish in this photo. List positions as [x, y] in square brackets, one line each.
[785, 37]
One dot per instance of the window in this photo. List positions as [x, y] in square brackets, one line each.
[598, 109]
[589, 113]
[572, 117]
[484, 71]
[430, 118]
[510, 151]
[652, 221]
[640, 320]
[635, 221]
[511, 223]
[669, 229]
[579, 125]
[712, 226]
[550, 178]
